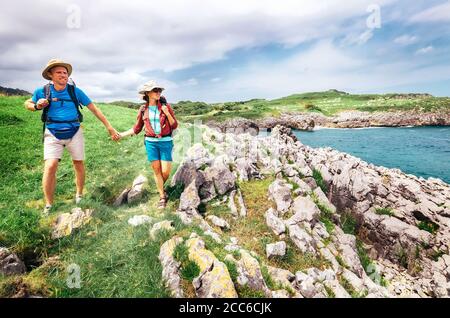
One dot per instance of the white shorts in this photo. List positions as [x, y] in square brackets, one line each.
[54, 147]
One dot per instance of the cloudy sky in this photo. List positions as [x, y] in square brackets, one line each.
[221, 50]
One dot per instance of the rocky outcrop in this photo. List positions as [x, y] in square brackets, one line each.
[396, 225]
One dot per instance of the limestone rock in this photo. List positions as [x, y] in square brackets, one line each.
[280, 193]
[139, 220]
[232, 205]
[214, 281]
[305, 211]
[10, 264]
[276, 249]
[224, 179]
[243, 209]
[275, 223]
[219, 222]
[302, 239]
[170, 267]
[249, 273]
[137, 189]
[324, 200]
[67, 222]
[189, 198]
[122, 198]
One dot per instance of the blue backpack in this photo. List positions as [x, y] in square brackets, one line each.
[64, 133]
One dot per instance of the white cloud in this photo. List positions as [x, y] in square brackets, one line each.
[191, 82]
[132, 38]
[425, 50]
[359, 39]
[406, 39]
[437, 13]
[324, 66]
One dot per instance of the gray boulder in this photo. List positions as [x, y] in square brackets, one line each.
[302, 239]
[137, 189]
[10, 264]
[189, 198]
[280, 193]
[276, 249]
[275, 223]
[305, 211]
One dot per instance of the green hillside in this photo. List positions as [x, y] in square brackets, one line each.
[327, 103]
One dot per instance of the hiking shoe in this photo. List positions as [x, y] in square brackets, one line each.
[78, 199]
[161, 203]
[46, 210]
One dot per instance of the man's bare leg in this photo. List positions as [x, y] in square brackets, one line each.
[49, 180]
[80, 174]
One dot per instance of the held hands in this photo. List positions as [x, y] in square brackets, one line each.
[114, 134]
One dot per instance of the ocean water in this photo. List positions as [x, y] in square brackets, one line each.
[421, 151]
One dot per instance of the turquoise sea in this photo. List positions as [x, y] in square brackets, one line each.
[421, 151]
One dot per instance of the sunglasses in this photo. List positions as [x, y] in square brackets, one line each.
[157, 90]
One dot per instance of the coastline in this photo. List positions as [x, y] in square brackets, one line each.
[347, 119]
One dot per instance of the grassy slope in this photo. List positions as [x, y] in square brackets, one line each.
[108, 239]
[328, 103]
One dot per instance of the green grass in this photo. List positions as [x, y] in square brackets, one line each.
[428, 226]
[348, 224]
[189, 269]
[368, 264]
[326, 215]
[384, 211]
[319, 180]
[232, 270]
[349, 288]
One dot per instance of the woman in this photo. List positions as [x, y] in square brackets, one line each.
[158, 120]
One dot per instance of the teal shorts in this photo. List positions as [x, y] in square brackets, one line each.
[159, 150]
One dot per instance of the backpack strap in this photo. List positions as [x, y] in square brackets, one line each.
[73, 97]
[47, 96]
[163, 101]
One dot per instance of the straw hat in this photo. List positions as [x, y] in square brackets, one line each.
[53, 63]
[147, 87]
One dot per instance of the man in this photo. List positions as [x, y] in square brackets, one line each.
[62, 126]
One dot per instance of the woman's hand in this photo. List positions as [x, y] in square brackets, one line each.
[129, 132]
[165, 109]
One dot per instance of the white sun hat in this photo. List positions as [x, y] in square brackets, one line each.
[147, 87]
